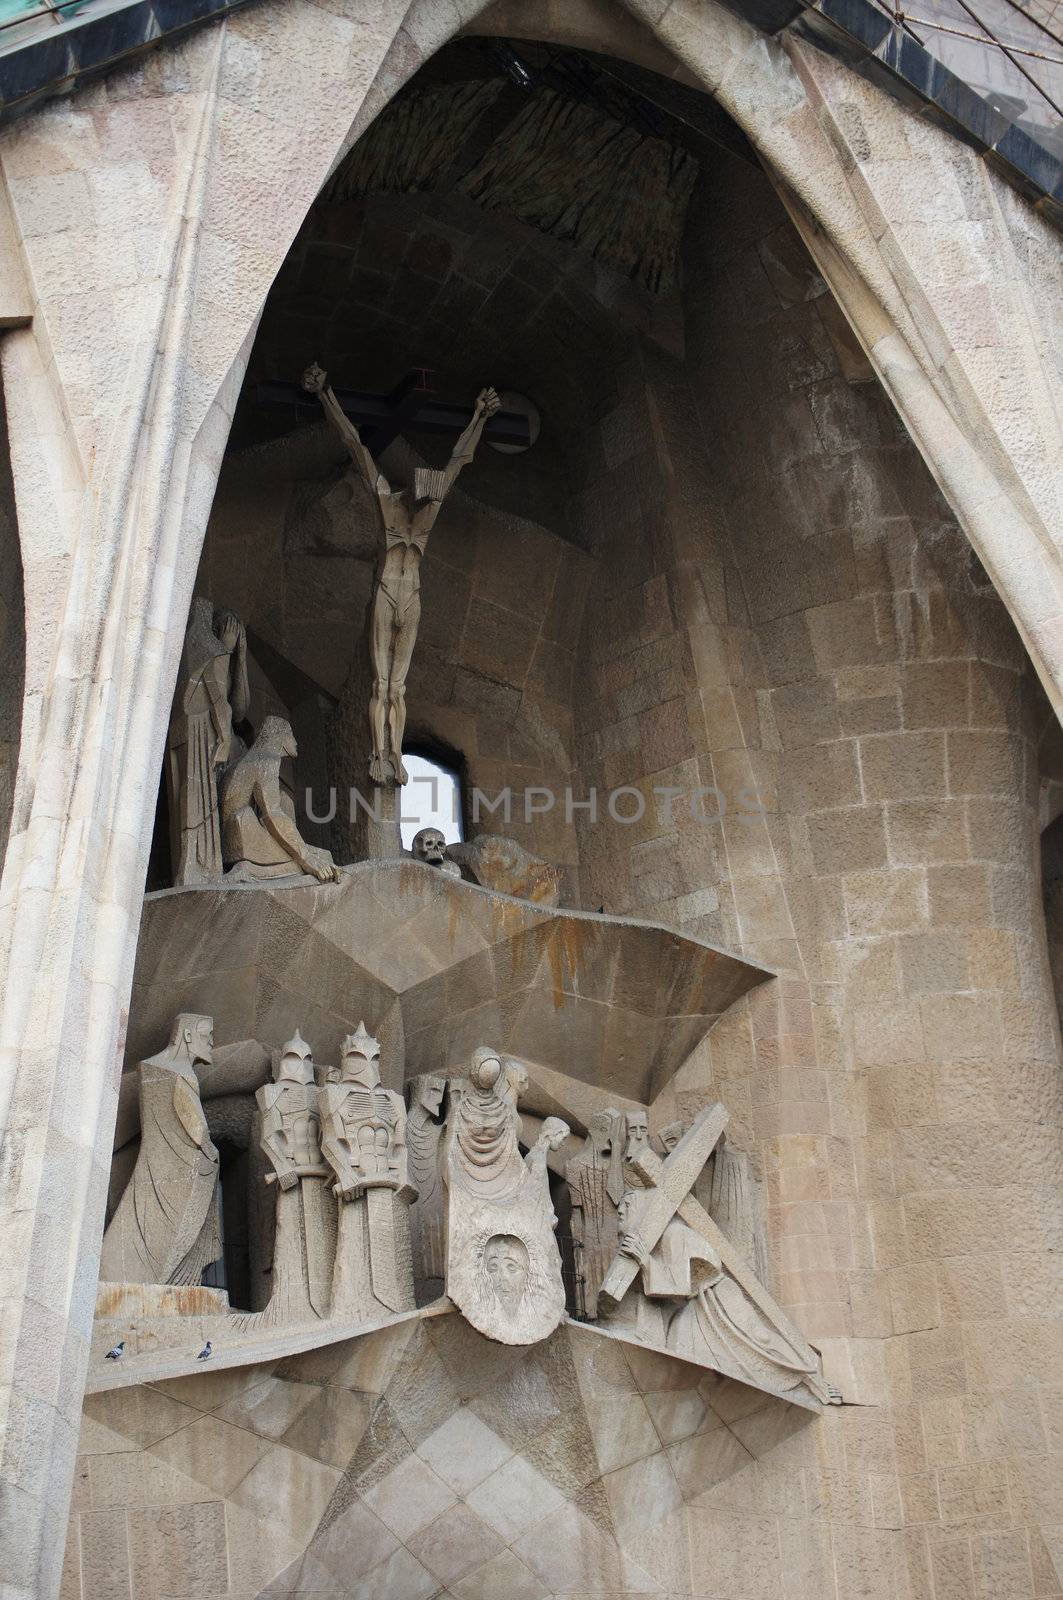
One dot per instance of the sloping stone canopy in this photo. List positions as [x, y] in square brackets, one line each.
[435, 966]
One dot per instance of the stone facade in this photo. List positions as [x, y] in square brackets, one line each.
[425, 1460]
[795, 611]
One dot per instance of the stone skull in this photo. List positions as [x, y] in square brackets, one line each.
[429, 846]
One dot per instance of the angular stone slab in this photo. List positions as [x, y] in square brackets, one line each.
[611, 1002]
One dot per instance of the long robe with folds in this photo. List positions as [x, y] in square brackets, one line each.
[595, 1228]
[167, 1227]
[424, 1146]
[497, 1207]
[484, 1153]
[719, 1326]
[198, 744]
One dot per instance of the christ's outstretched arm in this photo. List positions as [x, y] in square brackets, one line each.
[315, 381]
[487, 403]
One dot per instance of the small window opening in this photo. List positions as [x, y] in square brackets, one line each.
[431, 798]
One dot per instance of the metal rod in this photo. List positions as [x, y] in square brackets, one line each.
[958, 33]
[975, 18]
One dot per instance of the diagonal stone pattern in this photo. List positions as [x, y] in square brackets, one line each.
[424, 1461]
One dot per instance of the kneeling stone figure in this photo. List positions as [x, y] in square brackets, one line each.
[260, 838]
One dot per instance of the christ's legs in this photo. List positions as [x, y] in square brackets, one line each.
[405, 638]
[381, 646]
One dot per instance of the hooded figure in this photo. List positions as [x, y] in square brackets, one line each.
[167, 1227]
[503, 1264]
[212, 692]
[485, 1154]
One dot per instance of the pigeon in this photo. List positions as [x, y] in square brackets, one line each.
[117, 1352]
[206, 1352]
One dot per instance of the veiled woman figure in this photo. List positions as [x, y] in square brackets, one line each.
[166, 1228]
[503, 1266]
[485, 1157]
[212, 692]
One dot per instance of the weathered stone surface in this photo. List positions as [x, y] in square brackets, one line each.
[555, 988]
[496, 1494]
[503, 864]
[119, 397]
[259, 835]
[166, 1228]
[503, 1265]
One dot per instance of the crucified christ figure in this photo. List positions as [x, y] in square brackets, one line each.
[407, 518]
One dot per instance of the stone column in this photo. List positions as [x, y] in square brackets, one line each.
[149, 222]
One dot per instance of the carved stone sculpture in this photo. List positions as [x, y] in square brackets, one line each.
[515, 1082]
[363, 1139]
[407, 517]
[260, 838]
[728, 1189]
[552, 1136]
[166, 1228]
[704, 1303]
[718, 1325]
[429, 846]
[306, 1221]
[504, 865]
[637, 1144]
[212, 692]
[424, 1147]
[503, 1265]
[595, 1181]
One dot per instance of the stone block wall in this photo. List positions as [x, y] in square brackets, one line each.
[900, 1084]
[423, 1462]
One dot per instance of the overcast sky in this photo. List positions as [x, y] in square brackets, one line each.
[429, 800]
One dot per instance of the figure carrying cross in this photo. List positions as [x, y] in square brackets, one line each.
[407, 518]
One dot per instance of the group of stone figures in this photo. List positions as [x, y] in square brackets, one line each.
[381, 1205]
[228, 806]
[231, 813]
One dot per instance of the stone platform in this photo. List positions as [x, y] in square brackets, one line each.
[435, 967]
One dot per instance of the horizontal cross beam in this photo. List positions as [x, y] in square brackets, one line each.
[377, 413]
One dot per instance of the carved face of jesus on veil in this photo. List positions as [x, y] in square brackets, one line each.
[506, 1265]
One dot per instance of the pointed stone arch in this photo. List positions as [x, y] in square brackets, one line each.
[175, 200]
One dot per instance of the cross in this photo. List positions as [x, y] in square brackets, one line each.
[669, 1184]
[380, 418]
